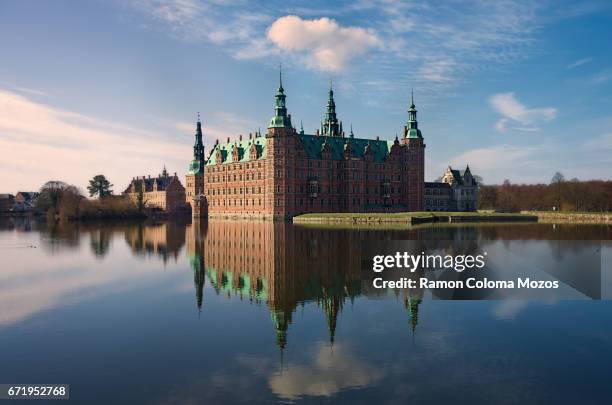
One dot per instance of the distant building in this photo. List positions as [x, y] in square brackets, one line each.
[25, 200]
[7, 201]
[164, 192]
[458, 191]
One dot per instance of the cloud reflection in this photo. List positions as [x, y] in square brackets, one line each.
[331, 370]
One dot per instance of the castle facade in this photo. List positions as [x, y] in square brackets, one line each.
[457, 191]
[164, 192]
[287, 172]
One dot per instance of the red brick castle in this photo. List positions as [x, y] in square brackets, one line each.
[288, 172]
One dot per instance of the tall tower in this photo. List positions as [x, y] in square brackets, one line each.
[415, 155]
[280, 162]
[330, 125]
[194, 180]
[280, 119]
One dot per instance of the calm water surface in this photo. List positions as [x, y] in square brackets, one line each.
[236, 312]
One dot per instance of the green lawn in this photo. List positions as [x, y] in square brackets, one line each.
[404, 215]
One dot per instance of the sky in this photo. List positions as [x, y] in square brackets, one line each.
[516, 89]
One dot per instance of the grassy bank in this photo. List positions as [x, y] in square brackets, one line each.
[411, 217]
[572, 217]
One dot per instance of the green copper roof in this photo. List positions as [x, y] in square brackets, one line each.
[280, 119]
[244, 148]
[313, 145]
[414, 133]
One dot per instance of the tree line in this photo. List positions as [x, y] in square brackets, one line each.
[559, 195]
[60, 200]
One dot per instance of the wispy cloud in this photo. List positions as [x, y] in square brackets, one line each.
[512, 111]
[424, 45]
[579, 62]
[59, 144]
[600, 77]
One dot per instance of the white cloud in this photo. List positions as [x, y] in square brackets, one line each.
[579, 62]
[328, 46]
[41, 143]
[513, 111]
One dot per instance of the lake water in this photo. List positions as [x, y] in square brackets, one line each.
[259, 312]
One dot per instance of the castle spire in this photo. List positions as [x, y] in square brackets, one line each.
[301, 128]
[330, 125]
[197, 164]
[280, 119]
[412, 126]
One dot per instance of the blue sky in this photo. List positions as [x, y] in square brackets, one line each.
[518, 90]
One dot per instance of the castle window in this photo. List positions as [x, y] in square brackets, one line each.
[313, 188]
[386, 189]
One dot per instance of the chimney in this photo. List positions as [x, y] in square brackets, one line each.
[250, 135]
[317, 132]
[377, 138]
[228, 139]
[217, 141]
[240, 137]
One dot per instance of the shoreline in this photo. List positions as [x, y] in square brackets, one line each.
[411, 218]
[417, 218]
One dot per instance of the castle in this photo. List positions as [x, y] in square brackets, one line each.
[287, 172]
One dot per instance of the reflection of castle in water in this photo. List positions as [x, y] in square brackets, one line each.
[283, 266]
[164, 240]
